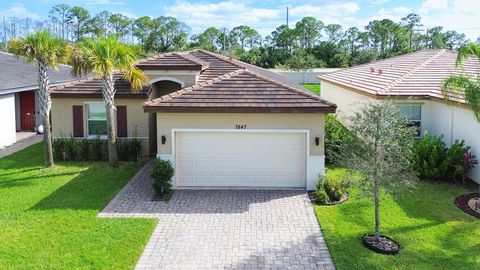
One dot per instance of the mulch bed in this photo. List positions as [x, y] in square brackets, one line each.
[462, 202]
[386, 245]
[311, 195]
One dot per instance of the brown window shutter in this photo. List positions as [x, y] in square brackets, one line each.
[77, 121]
[122, 121]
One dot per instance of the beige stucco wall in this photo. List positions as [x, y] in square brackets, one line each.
[310, 121]
[62, 117]
[188, 78]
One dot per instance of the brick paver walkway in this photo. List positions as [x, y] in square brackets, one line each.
[239, 229]
[21, 144]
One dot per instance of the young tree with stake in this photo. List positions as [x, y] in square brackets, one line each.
[380, 151]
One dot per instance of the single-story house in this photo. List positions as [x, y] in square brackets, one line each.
[221, 122]
[414, 81]
[18, 95]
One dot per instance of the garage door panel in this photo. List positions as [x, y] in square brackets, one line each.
[256, 159]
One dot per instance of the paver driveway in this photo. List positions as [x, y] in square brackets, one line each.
[240, 229]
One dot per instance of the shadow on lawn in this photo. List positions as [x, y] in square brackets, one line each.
[91, 189]
[26, 181]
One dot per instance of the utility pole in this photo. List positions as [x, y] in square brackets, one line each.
[4, 33]
[287, 16]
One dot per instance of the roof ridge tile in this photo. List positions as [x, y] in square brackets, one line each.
[412, 71]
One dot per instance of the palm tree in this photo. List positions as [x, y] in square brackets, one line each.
[105, 56]
[464, 85]
[46, 51]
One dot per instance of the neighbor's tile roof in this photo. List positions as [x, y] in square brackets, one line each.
[420, 74]
[16, 73]
[230, 85]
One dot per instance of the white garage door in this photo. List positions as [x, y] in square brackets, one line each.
[240, 159]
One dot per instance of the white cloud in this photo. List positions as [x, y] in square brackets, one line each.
[103, 2]
[378, 2]
[431, 5]
[459, 15]
[230, 14]
[19, 11]
[223, 14]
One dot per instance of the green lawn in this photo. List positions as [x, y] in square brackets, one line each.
[48, 216]
[314, 87]
[434, 233]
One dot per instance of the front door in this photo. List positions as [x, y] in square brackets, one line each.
[27, 110]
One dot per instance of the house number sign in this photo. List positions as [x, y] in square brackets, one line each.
[241, 126]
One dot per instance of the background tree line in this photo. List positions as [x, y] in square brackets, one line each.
[308, 44]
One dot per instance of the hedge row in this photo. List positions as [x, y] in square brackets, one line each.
[71, 149]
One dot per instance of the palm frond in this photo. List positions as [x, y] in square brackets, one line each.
[40, 46]
[106, 55]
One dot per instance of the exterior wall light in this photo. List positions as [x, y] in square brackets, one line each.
[317, 140]
[164, 139]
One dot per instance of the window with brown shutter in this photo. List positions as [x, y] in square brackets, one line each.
[77, 121]
[122, 121]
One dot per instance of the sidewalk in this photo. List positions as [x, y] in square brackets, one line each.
[23, 142]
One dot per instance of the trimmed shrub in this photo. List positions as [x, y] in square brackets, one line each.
[432, 158]
[334, 188]
[329, 189]
[59, 149]
[71, 149]
[336, 137]
[430, 154]
[162, 174]
[85, 150]
[460, 160]
[96, 149]
[99, 149]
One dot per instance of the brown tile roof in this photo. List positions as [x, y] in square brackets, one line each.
[229, 85]
[173, 61]
[420, 74]
[223, 85]
[92, 87]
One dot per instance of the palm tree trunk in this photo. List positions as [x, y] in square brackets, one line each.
[108, 89]
[45, 106]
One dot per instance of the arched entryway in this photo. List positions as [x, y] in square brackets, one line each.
[160, 87]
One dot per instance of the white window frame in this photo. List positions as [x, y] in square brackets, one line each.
[87, 119]
[415, 121]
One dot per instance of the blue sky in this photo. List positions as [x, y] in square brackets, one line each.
[460, 15]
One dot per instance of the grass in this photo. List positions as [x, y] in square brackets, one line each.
[433, 232]
[48, 216]
[314, 87]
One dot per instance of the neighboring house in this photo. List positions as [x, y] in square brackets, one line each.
[414, 81]
[221, 122]
[19, 109]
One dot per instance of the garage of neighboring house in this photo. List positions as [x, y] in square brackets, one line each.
[237, 125]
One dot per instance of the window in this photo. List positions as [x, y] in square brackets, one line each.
[414, 115]
[96, 119]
